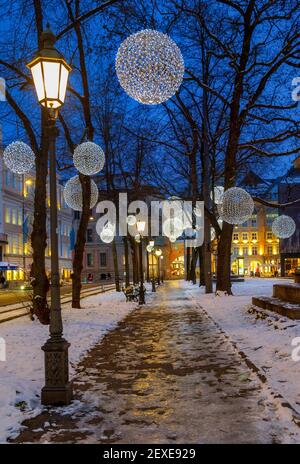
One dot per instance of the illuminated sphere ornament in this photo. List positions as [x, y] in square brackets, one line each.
[149, 248]
[173, 227]
[149, 66]
[283, 226]
[73, 194]
[88, 158]
[237, 206]
[107, 234]
[131, 220]
[217, 195]
[172, 239]
[137, 238]
[18, 157]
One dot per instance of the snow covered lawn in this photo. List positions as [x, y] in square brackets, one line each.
[22, 375]
[266, 342]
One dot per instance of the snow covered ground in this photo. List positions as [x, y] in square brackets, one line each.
[22, 374]
[266, 342]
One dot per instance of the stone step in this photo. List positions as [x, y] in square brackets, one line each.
[290, 310]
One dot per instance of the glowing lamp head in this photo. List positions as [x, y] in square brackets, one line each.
[151, 243]
[50, 73]
[158, 252]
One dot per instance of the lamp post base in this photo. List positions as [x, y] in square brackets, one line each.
[58, 389]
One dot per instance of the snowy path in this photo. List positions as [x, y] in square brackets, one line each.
[165, 374]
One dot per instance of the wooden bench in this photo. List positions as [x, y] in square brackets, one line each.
[132, 293]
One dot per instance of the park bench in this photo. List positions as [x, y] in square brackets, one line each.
[132, 293]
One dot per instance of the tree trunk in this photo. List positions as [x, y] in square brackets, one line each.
[193, 265]
[40, 282]
[116, 266]
[188, 259]
[126, 254]
[224, 259]
[202, 266]
[80, 240]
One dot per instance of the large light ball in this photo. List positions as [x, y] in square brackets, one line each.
[217, 194]
[19, 157]
[237, 206]
[283, 226]
[149, 66]
[73, 194]
[88, 158]
[172, 227]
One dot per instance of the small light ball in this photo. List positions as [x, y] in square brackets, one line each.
[237, 206]
[88, 158]
[131, 220]
[172, 227]
[107, 234]
[217, 194]
[149, 248]
[137, 238]
[19, 157]
[283, 226]
[172, 239]
[149, 66]
[73, 194]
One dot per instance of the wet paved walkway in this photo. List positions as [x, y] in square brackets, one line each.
[165, 375]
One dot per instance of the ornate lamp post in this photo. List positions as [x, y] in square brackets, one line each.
[141, 228]
[50, 77]
[158, 253]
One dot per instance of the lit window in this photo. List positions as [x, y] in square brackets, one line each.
[245, 251]
[235, 236]
[245, 236]
[89, 259]
[254, 251]
[254, 235]
[7, 215]
[269, 235]
[14, 216]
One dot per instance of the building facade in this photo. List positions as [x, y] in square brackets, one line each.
[16, 218]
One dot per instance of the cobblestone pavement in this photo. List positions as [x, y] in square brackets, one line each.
[166, 374]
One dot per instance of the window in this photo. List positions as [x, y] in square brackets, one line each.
[7, 215]
[254, 250]
[270, 217]
[269, 250]
[89, 259]
[254, 235]
[245, 251]
[14, 218]
[254, 221]
[245, 236]
[235, 236]
[235, 251]
[76, 214]
[102, 259]
[89, 235]
[19, 217]
[269, 235]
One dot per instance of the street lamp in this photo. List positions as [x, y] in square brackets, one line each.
[162, 274]
[140, 225]
[158, 253]
[50, 77]
[150, 250]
